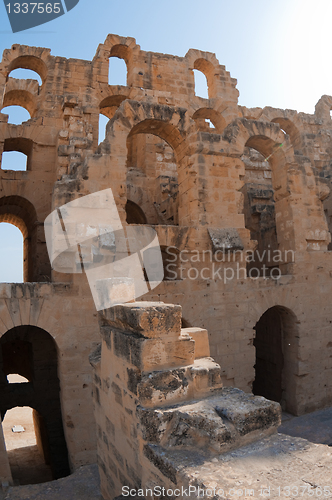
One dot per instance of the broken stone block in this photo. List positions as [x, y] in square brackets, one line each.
[219, 423]
[225, 240]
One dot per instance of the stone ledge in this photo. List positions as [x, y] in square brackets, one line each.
[176, 385]
[148, 319]
[219, 423]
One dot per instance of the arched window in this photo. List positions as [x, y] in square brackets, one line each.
[205, 78]
[201, 85]
[13, 160]
[25, 74]
[259, 213]
[17, 114]
[103, 121]
[11, 254]
[209, 120]
[117, 71]
[16, 154]
[31, 63]
[152, 178]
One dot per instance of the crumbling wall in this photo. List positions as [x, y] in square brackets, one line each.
[156, 391]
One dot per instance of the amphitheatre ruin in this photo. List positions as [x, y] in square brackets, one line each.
[240, 327]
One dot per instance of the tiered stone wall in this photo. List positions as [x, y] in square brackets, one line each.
[205, 173]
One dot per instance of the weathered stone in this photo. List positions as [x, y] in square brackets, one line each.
[225, 240]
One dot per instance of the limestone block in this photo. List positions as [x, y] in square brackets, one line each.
[148, 319]
[225, 239]
[222, 422]
[201, 338]
[152, 354]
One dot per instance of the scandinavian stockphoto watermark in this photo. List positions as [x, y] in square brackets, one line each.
[121, 263]
[224, 265]
[24, 14]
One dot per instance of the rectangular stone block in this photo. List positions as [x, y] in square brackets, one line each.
[201, 338]
[153, 354]
[147, 319]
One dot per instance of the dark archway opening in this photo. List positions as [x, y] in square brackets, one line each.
[31, 352]
[135, 214]
[259, 215]
[152, 176]
[23, 432]
[277, 343]
[269, 356]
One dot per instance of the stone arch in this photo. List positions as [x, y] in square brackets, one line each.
[276, 344]
[290, 128]
[268, 140]
[163, 129]
[135, 214]
[216, 75]
[121, 47]
[110, 104]
[26, 57]
[25, 132]
[32, 352]
[31, 62]
[152, 173]
[21, 98]
[121, 52]
[207, 68]
[20, 144]
[132, 118]
[287, 122]
[21, 213]
[216, 118]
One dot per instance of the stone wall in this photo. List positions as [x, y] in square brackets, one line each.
[5, 473]
[209, 175]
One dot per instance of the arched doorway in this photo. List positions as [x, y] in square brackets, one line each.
[276, 355]
[24, 444]
[31, 352]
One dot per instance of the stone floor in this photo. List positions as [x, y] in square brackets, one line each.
[28, 467]
[316, 427]
[82, 485]
[268, 468]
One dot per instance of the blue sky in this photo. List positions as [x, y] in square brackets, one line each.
[278, 51]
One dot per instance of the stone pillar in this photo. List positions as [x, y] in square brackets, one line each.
[156, 390]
